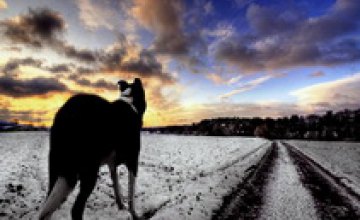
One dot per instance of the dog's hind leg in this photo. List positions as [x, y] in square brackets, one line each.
[58, 194]
[87, 184]
[116, 185]
[53, 173]
[132, 183]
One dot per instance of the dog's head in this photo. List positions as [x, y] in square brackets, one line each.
[135, 91]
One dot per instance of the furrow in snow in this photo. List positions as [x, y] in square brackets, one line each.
[245, 201]
[333, 199]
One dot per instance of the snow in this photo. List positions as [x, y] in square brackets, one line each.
[21, 173]
[285, 196]
[342, 159]
[180, 177]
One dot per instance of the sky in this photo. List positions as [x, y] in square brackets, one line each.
[197, 59]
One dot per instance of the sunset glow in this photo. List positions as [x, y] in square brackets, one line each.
[197, 59]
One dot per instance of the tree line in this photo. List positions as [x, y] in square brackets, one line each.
[342, 125]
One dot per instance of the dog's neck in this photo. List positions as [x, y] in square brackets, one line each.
[125, 96]
[127, 99]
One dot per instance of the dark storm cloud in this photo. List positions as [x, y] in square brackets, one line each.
[43, 28]
[59, 68]
[105, 85]
[85, 70]
[13, 64]
[36, 86]
[100, 84]
[36, 28]
[283, 39]
[75, 53]
[145, 65]
[69, 68]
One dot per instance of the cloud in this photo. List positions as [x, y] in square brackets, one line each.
[334, 95]
[221, 80]
[247, 86]
[3, 4]
[36, 86]
[113, 15]
[221, 31]
[12, 48]
[143, 62]
[317, 74]
[164, 107]
[70, 51]
[164, 19]
[148, 65]
[99, 84]
[208, 7]
[60, 68]
[285, 39]
[35, 28]
[85, 70]
[13, 64]
[243, 3]
[95, 15]
[43, 28]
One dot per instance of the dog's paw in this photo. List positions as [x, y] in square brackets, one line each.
[121, 205]
[135, 216]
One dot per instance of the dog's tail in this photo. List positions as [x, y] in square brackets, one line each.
[58, 194]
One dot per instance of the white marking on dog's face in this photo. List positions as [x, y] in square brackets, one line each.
[126, 92]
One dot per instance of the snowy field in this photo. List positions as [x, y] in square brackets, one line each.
[180, 177]
[341, 158]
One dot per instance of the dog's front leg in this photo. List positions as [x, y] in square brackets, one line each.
[132, 183]
[116, 185]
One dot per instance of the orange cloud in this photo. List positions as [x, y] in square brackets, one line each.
[3, 4]
[163, 18]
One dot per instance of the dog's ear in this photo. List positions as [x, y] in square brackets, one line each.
[139, 95]
[123, 85]
[137, 82]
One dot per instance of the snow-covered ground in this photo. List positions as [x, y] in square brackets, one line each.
[180, 177]
[341, 158]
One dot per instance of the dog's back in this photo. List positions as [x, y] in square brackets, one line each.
[84, 133]
[75, 139]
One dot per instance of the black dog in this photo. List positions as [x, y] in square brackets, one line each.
[88, 131]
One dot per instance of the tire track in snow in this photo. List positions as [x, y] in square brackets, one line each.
[285, 196]
[205, 173]
[245, 201]
[333, 199]
[202, 174]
